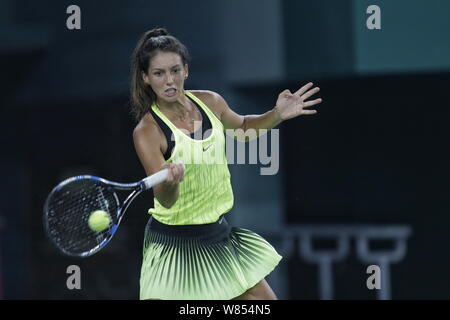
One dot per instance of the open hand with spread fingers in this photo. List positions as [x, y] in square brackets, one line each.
[290, 105]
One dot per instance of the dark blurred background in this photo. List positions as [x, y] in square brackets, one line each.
[376, 154]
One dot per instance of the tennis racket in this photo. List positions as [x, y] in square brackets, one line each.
[70, 204]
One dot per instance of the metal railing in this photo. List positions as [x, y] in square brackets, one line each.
[363, 236]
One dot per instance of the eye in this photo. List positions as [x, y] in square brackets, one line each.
[157, 73]
[176, 70]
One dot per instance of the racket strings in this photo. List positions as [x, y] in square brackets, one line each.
[68, 212]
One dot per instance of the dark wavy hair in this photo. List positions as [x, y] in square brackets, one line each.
[151, 42]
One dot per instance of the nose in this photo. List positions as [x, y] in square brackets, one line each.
[169, 79]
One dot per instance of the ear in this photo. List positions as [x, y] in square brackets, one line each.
[186, 68]
[145, 78]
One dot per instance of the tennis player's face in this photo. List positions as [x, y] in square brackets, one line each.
[166, 75]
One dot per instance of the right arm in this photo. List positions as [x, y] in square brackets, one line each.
[147, 143]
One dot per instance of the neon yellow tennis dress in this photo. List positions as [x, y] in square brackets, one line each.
[189, 251]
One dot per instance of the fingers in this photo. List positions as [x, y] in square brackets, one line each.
[310, 93]
[176, 172]
[307, 112]
[311, 103]
[182, 169]
[303, 89]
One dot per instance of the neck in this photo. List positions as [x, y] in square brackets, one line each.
[179, 107]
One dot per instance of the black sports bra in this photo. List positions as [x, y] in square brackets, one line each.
[206, 125]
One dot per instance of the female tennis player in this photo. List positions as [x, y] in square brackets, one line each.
[190, 251]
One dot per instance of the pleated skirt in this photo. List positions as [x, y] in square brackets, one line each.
[202, 262]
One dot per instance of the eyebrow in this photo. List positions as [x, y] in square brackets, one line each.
[177, 65]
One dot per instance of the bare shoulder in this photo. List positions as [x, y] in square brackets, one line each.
[147, 129]
[213, 100]
[149, 142]
[146, 124]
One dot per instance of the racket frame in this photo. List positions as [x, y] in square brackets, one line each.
[137, 187]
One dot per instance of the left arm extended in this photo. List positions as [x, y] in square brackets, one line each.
[289, 105]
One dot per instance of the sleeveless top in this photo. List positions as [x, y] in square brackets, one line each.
[205, 193]
[203, 131]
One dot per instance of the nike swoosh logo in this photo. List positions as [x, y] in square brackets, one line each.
[204, 149]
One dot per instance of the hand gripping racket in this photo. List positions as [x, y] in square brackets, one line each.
[70, 204]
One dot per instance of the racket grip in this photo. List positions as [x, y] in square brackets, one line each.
[155, 179]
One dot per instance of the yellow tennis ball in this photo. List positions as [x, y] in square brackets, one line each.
[99, 220]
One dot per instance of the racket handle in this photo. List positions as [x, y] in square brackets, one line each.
[155, 179]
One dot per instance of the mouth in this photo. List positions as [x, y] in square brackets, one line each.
[170, 92]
